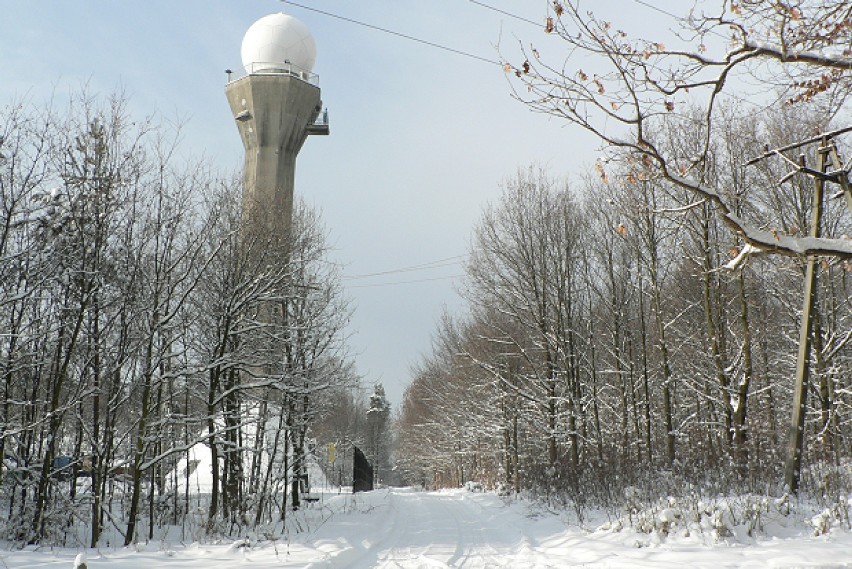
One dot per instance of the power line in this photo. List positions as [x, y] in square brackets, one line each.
[438, 264]
[657, 9]
[675, 16]
[393, 33]
[504, 12]
[450, 277]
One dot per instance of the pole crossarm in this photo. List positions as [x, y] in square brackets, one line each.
[824, 176]
[839, 174]
[819, 137]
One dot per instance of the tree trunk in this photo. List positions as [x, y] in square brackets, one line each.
[140, 445]
[740, 434]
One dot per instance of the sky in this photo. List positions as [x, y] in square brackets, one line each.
[421, 138]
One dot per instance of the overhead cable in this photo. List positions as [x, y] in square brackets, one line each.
[438, 264]
[449, 277]
[394, 33]
[505, 13]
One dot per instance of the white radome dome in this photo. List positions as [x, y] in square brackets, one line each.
[275, 40]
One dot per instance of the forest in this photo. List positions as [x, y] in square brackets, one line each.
[675, 322]
[141, 320]
[607, 342]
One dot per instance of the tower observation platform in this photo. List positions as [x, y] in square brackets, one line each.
[276, 105]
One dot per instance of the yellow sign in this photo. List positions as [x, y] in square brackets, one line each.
[332, 452]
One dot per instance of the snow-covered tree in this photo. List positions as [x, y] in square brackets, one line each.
[379, 441]
[135, 324]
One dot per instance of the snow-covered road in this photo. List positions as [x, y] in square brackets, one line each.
[401, 529]
[426, 530]
[405, 529]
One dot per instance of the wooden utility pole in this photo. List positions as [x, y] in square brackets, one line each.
[826, 152]
[793, 469]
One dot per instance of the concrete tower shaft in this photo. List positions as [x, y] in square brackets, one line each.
[275, 112]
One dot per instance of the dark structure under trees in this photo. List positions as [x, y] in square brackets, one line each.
[362, 472]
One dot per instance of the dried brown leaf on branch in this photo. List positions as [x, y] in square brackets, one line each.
[558, 9]
[812, 87]
[802, 48]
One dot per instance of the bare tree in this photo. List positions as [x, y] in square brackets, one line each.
[634, 84]
[524, 266]
[138, 319]
[378, 434]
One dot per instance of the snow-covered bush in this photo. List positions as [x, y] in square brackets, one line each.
[737, 517]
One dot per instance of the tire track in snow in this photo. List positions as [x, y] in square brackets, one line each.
[440, 531]
[363, 552]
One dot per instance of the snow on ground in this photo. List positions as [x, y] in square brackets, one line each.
[406, 529]
[199, 461]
